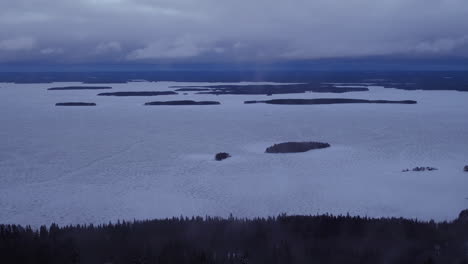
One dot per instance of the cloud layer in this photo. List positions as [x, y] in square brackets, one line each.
[241, 30]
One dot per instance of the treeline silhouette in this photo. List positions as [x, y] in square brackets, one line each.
[282, 239]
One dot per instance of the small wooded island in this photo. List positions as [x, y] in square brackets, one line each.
[75, 104]
[222, 156]
[79, 88]
[192, 89]
[143, 93]
[183, 102]
[420, 169]
[295, 147]
[320, 101]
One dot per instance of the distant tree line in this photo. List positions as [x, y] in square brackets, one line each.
[282, 239]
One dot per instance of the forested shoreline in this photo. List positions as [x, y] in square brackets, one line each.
[282, 239]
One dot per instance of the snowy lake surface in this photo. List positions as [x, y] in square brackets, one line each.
[123, 160]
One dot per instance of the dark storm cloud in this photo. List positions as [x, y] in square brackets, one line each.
[243, 30]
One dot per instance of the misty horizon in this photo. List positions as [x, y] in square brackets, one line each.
[135, 31]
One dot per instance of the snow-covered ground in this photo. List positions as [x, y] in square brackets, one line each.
[123, 160]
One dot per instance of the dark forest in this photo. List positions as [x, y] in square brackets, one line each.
[282, 239]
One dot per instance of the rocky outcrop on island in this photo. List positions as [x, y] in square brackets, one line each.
[269, 89]
[79, 88]
[183, 102]
[295, 147]
[75, 104]
[151, 93]
[466, 168]
[222, 156]
[420, 169]
[321, 101]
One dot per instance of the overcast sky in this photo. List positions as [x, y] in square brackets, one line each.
[229, 30]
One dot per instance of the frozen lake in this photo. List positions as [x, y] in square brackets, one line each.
[123, 160]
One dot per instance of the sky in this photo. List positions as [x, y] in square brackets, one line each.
[138, 31]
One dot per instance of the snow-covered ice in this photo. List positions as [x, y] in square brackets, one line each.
[123, 160]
